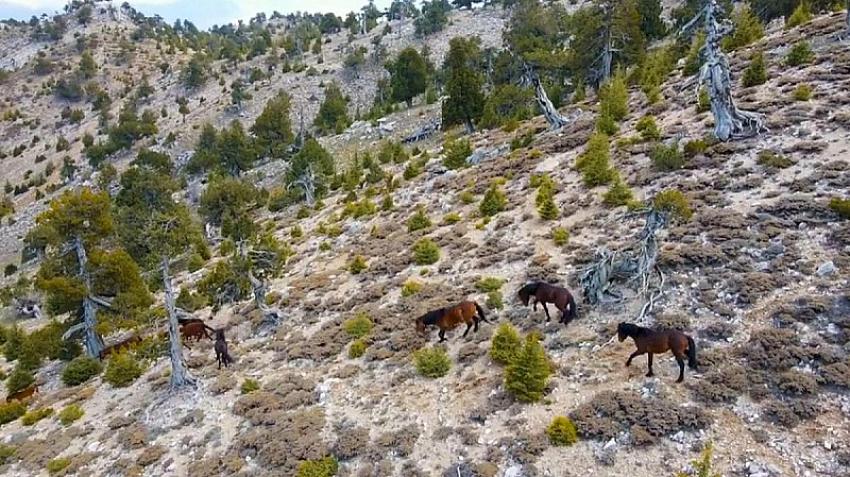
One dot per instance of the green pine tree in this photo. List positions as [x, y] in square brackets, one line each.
[465, 102]
[409, 76]
[528, 372]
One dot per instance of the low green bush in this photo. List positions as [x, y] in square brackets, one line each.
[594, 162]
[455, 153]
[325, 467]
[80, 370]
[357, 265]
[756, 72]
[799, 54]
[11, 411]
[122, 369]
[451, 218]
[357, 349]
[562, 431]
[648, 128]
[802, 92]
[432, 362]
[768, 158]
[58, 465]
[6, 452]
[527, 373]
[560, 236]
[488, 284]
[618, 194]
[70, 414]
[674, 202]
[667, 158]
[410, 288]
[840, 207]
[801, 15]
[425, 252]
[418, 221]
[703, 101]
[32, 417]
[494, 201]
[249, 386]
[695, 147]
[359, 326]
[19, 379]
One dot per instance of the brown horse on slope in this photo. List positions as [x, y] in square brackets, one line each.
[195, 330]
[651, 341]
[450, 317]
[120, 346]
[23, 393]
[544, 293]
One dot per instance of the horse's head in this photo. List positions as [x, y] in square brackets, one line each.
[219, 334]
[623, 331]
[420, 325]
[524, 295]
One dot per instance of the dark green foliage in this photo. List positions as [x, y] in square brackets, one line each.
[802, 14]
[418, 221]
[434, 17]
[80, 370]
[651, 24]
[528, 371]
[802, 92]
[32, 417]
[507, 103]
[455, 153]
[703, 101]
[693, 60]
[654, 70]
[648, 129]
[667, 158]
[195, 73]
[392, 152]
[614, 98]
[226, 201]
[357, 348]
[425, 252]
[357, 265]
[408, 76]
[562, 431]
[359, 326]
[505, 344]
[312, 156]
[618, 194]
[799, 54]
[494, 201]
[70, 414]
[756, 72]
[465, 102]
[432, 362]
[333, 113]
[594, 162]
[88, 67]
[747, 29]
[226, 282]
[20, 379]
[122, 369]
[694, 147]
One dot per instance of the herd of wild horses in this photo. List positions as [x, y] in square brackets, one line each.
[646, 340]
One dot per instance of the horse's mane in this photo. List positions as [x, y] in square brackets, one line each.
[431, 317]
[632, 329]
[529, 288]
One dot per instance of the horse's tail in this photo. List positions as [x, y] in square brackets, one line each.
[573, 307]
[692, 353]
[481, 312]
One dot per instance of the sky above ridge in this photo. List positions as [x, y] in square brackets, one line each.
[203, 13]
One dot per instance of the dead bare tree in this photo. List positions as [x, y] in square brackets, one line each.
[307, 183]
[635, 265]
[555, 119]
[729, 121]
[93, 341]
[263, 264]
[180, 376]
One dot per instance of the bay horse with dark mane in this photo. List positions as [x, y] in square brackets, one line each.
[650, 341]
[195, 329]
[450, 317]
[544, 293]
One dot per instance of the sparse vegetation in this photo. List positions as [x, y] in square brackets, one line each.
[756, 72]
[673, 202]
[11, 411]
[357, 265]
[768, 158]
[528, 372]
[560, 236]
[58, 465]
[249, 385]
[31, 417]
[802, 92]
[494, 201]
[325, 467]
[80, 370]
[455, 153]
[359, 326]
[418, 221]
[840, 207]
[122, 369]
[410, 288]
[425, 252]
[799, 54]
[505, 344]
[357, 348]
[593, 163]
[667, 158]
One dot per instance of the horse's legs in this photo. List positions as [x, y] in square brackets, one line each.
[476, 320]
[547, 312]
[633, 356]
[534, 302]
[649, 362]
[442, 335]
[468, 327]
[680, 358]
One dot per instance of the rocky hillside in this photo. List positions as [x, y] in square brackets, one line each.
[756, 273]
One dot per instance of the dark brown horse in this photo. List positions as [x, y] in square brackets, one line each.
[652, 341]
[23, 393]
[120, 346]
[221, 354]
[450, 317]
[197, 330]
[544, 293]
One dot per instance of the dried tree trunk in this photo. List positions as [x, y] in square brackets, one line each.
[93, 341]
[729, 121]
[555, 119]
[180, 375]
[847, 18]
